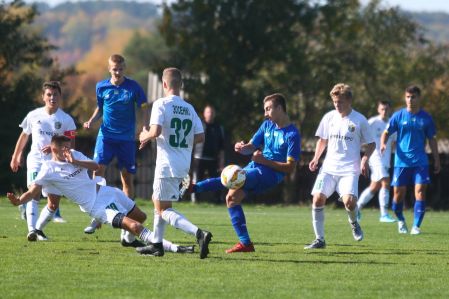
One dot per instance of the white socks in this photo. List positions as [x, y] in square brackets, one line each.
[352, 215]
[366, 196]
[318, 222]
[384, 199]
[159, 225]
[32, 211]
[176, 219]
[44, 218]
[147, 236]
[127, 236]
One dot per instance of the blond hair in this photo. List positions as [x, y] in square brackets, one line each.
[342, 89]
[117, 58]
[173, 77]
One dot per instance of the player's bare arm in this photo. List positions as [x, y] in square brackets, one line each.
[244, 148]
[98, 113]
[370, 147]
[436, 157]
[287, 167]
[90, 165]
[145, 117]
[199, 138]
[17, 155]
[33, 192]
[320, 147]
[383, 141]
[147, 135]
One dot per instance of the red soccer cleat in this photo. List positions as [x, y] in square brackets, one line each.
[240, 247]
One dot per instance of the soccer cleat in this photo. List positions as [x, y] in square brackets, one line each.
[92, 227]
[136, 243]
[240, 247]
[32, 236]
[415, 230]
[40, 235]
[155, 249]
[186, 249]
[357, 232]
[186, 186]
[402, 227]
[59, 220]
[203, 238]
[387, 219]
[316, 244]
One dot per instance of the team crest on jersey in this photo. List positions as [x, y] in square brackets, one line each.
[58, 125]
[351, 128]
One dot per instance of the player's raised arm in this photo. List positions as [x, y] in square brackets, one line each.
[244, 148]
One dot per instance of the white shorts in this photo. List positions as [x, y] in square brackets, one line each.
[379, 172]
[166, 189]
[327, 184]
[110, 201]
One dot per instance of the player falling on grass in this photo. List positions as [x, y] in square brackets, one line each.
[379, 164]
[275, 149]
[42, 123]
[66, 174]
[175, 126]
[342, 131]
[411, 166]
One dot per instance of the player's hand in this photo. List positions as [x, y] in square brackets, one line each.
[258, 157]
[87, 124]
[239, 146]
[383, 147]
[13, 199]
[143, 137]
[313, 165]
[15, 164]
[46, 149]
[68, 155]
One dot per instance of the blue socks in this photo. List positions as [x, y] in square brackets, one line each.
[419, 211]
[213, 184]
[239, 223]
[397, 208]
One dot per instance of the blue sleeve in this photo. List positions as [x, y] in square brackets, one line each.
[258, 137]
[431, 131]
[99, 96]
[294, 146]
[393, 124]
[140, 95]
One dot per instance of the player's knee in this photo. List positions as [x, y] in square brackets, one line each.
[117, 221]
[52, 206]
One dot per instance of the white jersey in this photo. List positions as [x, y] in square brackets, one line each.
[180, 123]
[345, 136]
[69, 180]
[42, 127]
[378, 126]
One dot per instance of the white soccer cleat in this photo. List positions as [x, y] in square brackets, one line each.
[92, 227]
[415, 231]
[402, 227]
[59, 220]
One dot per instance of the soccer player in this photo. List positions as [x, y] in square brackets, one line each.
[42, 123]
[116, 101]
[342, 131]
[379, 164]
[66, 174]
[175, 126]
[413, 126]
[275, 149]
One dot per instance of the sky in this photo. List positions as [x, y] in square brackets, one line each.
[412, 5]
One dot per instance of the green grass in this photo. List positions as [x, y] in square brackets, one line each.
[75, 265]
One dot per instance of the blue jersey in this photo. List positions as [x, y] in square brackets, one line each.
[118, 105]
[279, 144]
[412, 132]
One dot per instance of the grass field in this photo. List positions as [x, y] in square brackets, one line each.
[75, 265]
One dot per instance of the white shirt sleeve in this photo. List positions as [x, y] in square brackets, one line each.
[366, 135]
[157, 113]
[197, 124]
[323, 127]
[26, 125]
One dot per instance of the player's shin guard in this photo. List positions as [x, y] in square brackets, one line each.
[366, 196]
[238, 221]
[397, 208]
[419, 211]
[44, 218]
[32, 212]
[176, 219]
[384, 199]
[318, 222]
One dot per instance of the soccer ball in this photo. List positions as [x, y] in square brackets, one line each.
[233, 177]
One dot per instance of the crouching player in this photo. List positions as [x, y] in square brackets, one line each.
[275, 149]
[66, 174]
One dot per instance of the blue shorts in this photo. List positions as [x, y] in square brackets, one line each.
[405, 176]
[125, 151]
[260, 178]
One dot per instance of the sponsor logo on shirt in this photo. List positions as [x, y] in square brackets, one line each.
[73, 174]
[340, 137]
[58, 125]
[351, 128]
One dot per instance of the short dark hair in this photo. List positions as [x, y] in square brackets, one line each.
[277, 99]
[413, 89]
[117, 58]
[384, 102]
[51, 85]
[59, 139]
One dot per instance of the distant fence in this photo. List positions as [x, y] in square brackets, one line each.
[294, 190]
